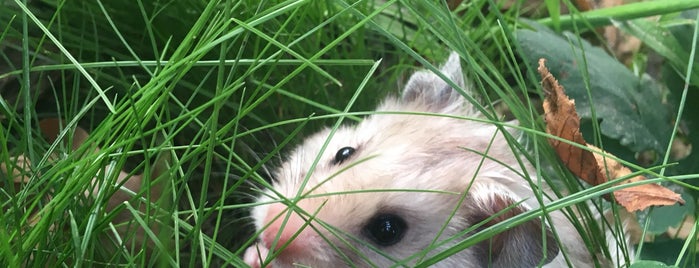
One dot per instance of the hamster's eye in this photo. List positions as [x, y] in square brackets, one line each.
[343, 154]
[386, 229]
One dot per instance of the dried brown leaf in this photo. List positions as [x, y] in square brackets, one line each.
[563, 121]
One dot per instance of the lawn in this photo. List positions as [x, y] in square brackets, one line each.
[138, 133]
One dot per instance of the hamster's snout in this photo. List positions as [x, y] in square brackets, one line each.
[286, 228]
[287, 234]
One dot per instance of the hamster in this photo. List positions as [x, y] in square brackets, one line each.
[395, 189]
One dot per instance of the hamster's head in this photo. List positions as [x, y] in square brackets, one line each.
[397, 187]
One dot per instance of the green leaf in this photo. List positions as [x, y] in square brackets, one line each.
[630, 108]
[662, 218]
[554, 8]
[650, 264]
[675, 82]
[604, 16]
[667, 251]
[663, 42]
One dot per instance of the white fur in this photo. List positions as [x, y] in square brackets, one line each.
[407, 152]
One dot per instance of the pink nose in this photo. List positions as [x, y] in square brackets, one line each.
[288, 228]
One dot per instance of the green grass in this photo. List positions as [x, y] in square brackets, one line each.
[201, 98]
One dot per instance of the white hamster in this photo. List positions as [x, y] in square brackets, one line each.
[388, 191]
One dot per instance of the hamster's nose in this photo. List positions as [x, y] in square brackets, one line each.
[288, 232]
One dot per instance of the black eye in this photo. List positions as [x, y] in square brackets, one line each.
[386, 229]
[343, 154]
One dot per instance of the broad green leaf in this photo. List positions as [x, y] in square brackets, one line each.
[630, 108]
[650, 264]
[666, 251]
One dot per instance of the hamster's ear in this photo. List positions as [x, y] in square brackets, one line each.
[520, 246]
[429, 89]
